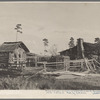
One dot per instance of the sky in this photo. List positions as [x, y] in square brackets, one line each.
[55, 21]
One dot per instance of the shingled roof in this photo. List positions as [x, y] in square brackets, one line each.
[10, 46]
[92, 48]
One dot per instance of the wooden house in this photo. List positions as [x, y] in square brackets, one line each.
[89, 50]
[13, 54]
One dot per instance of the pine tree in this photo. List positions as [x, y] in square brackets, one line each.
[45, 41]
[97, 40]
[71, 43]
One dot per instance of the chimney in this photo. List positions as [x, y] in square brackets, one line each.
[80, 49]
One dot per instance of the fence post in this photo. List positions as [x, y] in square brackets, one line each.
[81, 65]
[45, 69]
[66, 62]
[94, 65]
[35, 61]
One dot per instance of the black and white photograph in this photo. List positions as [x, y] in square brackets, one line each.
[49, 46]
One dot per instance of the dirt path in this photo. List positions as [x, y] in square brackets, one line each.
[67, 77]
[72, 75]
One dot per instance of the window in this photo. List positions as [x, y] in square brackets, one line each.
[15, 56]
[19, 55]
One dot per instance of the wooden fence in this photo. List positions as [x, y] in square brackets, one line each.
[70, 63]
[51, 64]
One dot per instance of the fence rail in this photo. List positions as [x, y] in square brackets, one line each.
[67, 63]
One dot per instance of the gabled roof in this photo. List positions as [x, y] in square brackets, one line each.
[73, 49]
[10, 46]
[64, 51]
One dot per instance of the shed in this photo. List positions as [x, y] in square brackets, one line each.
[13, 54]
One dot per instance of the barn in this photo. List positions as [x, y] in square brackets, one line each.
[89, 50]
[13, 54]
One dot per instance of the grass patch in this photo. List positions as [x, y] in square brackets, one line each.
[43, 82]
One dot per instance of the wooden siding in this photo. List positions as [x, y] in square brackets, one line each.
[18, 56]
[4, 57]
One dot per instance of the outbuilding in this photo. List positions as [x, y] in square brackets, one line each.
[13, 54]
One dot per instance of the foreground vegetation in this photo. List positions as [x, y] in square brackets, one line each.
[12, 80]
[42, 82]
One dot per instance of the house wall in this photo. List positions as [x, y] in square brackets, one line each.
[4, 57]
[17, 57]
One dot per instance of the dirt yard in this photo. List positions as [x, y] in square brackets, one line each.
[77, 81]
[80, 82]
